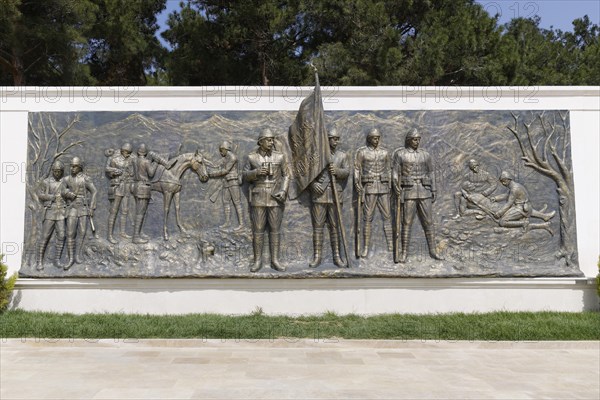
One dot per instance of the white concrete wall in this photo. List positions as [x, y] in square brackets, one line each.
[367, 296]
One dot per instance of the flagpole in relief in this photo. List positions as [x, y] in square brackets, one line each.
[336, 194]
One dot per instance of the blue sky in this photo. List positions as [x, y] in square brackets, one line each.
[553, 13]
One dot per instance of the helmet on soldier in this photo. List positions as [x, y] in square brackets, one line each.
[333, 133]
[265, 133]
[413, 133]
[58, 165]
[225, 145]
[142, 150]
[505, 176]
[373, 133]
[126, 147]
[76, 161]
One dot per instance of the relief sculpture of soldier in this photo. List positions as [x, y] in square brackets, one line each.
[478, 182]
[80, 208]
[228, 172]
[372, 177]
[323, 207]
[143, 171]
[50, 193]
[414, 186]
[119, 169]
[517, 208]
[269, 173]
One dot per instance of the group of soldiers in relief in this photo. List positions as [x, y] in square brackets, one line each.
[404, 177]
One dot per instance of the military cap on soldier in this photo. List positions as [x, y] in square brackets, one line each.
[142, 150]
[76, 161]
[265, 133]
[126, 147]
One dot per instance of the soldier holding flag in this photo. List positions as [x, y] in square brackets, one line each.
[323, 201]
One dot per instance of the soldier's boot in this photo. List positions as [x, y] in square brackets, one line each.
[240, 216]
[137, 237]
[404, 239]
[79, 251]
[317, 248]
[257, 243]
[335, 249]
[389, 235]
[58, 252]
[541, 215]
[39, 264]
[367, 239]
[274, 239]
[227, 210]
[433, 252]
[111, 228]
[123, 226]
[544, 225]
[70, 254]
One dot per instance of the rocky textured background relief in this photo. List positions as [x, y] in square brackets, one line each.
[476, 234]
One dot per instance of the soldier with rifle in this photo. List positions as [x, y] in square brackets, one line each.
[79, 209]
[372, 176]
[50, 193]
[119, 169]
[323, 202]
[414, 186]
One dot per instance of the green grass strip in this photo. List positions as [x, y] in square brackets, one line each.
[502, 326]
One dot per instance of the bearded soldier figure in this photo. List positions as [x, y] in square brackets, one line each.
[269, 173]
[119, 169]
[323, 207]
[414, 185]
[372, 176]
[50, 193]
[228, 171]
[79, 209]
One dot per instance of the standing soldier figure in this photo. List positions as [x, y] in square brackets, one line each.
[323, 207]
[119, 169]
[414, 185]
[143, 171]
[50, 192]
[79, 208]
[269, 174]
[372, 176]
[228, 170]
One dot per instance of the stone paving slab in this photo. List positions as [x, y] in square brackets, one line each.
[297, 369]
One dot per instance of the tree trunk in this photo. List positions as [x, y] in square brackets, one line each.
[568, 232]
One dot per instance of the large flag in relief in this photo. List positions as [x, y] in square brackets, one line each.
[308, 141]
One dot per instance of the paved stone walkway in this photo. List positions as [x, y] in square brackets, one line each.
[297, 369]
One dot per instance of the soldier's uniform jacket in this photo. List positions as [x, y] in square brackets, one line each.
[79, 185]
[118, 182]
[413, 172]
[228, 170]
[484, 182]
[372, 168]
[143, 171]
[264, 186]
[50, 193]
[517, 200]
[340, 162]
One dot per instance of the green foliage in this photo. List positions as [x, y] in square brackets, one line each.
[271, 42]
[257, 325]
[6, 285]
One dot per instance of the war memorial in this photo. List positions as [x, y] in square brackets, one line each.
[301, 200]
